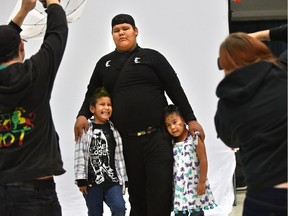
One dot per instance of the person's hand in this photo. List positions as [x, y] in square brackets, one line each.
[201, 188]
[28, 5]
[195, 126]
[84, 190]
[80, 124]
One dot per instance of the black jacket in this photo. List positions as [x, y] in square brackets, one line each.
[29, 144]
[252, 115]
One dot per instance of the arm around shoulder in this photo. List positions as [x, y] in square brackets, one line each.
[80, 124]
[195, 126]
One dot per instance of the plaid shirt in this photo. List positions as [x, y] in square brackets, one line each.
[81, 155]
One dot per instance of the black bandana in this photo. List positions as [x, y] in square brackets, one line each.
[122, 18]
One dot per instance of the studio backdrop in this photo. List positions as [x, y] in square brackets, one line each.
[187, 32]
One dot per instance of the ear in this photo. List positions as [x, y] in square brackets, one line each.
[183, 120]
[21, 51]
[92, 109]
[136, 31]
[21, 46]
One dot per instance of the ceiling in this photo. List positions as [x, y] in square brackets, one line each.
[258, 10]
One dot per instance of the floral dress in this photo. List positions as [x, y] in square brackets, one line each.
[186, 173]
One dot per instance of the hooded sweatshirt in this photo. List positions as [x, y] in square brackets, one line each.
[29, 144]
[252, 115]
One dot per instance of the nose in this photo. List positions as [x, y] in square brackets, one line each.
[121, 32]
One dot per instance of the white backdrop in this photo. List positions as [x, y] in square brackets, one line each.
[187, 32]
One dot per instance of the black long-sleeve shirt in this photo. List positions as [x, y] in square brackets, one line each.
[138, 90]
[278, 33]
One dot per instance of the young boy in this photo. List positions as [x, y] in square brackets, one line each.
[100, 171]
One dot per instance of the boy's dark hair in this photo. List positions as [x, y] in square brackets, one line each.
[9, 42]
[13, 54]
[98, 93]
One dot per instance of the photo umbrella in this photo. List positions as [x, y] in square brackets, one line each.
[34, 25]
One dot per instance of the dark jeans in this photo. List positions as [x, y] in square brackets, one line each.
[149, 164]
[112, 196]
[271, 202]
[29, 198]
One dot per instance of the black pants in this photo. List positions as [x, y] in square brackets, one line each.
[29, 198]
[149, 164]
[270, 202]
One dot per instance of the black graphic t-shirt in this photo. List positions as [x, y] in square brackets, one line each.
[101, 164]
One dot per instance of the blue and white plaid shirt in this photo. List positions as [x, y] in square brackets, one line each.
[81, 156]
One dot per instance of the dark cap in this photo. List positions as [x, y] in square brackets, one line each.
[123, 18]
[9, 39]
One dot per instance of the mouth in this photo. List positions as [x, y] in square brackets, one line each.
[174, 132]
[105, 113]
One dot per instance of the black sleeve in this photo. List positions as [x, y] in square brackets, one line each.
[47, 60]
[278, 33]
[172, 85]
[55, 38]
[81, 182]
[15, 26]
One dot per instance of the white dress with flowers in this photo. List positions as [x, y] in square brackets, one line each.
[186, 173]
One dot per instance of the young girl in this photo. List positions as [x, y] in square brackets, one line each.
[99, 162]
[192, 193]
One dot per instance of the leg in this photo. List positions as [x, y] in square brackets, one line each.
[181, 213]
[159, 169]
[30, 202]
[3, 201]
[195, 213]
[114, 199]
[149, 163]
[133, 153]
[265, 203]
[94, 201]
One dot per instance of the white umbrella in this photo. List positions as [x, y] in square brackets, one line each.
[34, 25]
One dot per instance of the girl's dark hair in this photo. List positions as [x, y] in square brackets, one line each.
[168, 110]
[98, 93]
[171, 108]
